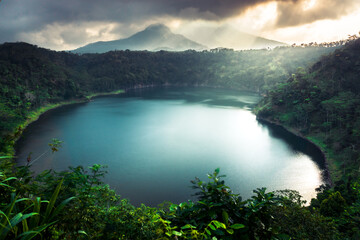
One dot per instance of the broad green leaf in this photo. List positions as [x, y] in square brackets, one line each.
[10, 178]
[36, 219]
[20, 217]
[14, 221]
[212, 227]
[219, 224]
[237, 226]
[25, 225]
[225, 217]
[176, 233]
[183, 204]
[187, 226]
[5, 185]
[166, 221]
[173, 207]
[52, 201]
[230, 231]
[201, 202]
[82, 232]
[5, 222]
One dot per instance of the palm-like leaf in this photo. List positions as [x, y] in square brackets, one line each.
[33, 223]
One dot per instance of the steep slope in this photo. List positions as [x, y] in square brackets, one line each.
[324, 105]
[154, 38]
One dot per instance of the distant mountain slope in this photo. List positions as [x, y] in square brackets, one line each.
[154, 38]
[229, 37]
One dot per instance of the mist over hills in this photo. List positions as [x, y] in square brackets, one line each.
[228, 37]
[158, 37]
[155, 37]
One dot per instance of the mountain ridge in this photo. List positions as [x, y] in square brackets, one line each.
[157, 37]
[153, 38]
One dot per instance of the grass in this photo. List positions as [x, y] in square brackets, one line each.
[334, 164]
[35, 114]
[104, 93]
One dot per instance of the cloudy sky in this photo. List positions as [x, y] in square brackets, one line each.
[68, 24]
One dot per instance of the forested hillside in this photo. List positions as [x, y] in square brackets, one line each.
[323, 103]
[31, 77]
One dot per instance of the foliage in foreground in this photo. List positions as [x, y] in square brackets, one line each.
[80, 206]
[27, 217]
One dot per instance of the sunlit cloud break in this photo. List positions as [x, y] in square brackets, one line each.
[68, 24]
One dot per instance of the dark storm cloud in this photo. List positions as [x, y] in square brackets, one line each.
[17, 16]
[21, 16]
[294, 14]
[48, 11]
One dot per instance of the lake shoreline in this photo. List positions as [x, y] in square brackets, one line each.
[34, 115]
[327, 175]
[189, 98]
[165, 85]
[43, 110]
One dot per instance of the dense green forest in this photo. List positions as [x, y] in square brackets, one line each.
[31, 77]
[320, 103]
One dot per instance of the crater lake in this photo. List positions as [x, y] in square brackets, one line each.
[154, 141]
